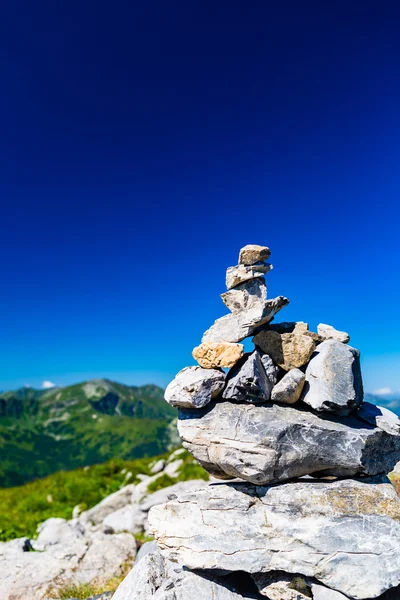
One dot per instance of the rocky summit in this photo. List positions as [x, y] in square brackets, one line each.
[309, 512]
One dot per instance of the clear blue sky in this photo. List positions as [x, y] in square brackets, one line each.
[143, 143]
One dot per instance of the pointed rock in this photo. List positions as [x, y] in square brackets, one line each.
[327, 332]
[333, 379]
[246, 295]
[288, 389]
[253, 254]
[211, 355]
[236, 327]
[240, 273]
[288, 350]
[252, 379]
[194, 387]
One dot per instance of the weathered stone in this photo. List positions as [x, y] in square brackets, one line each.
[288, 350]
[378, 416]
[268, 442]
[288, 389]
[158, 466]
[344, 533]
[252, 379]
[240, 273]
[278, 585]
[108, 505]
[211, 355]
[330, 333]
[333, 379]
[246, 295]
[252, 254]
[320, 592]
[194, 387]
[235, 327]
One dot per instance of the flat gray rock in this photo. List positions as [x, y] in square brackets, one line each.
[333, 379]
[194, 387]
[330, 333]
[235, 327]
[246, 295]
[268, 442]
[288, 389]
[251, 379]
[344, 533]
[378, 416]
[241, 273]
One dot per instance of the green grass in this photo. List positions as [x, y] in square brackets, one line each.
[24, 507]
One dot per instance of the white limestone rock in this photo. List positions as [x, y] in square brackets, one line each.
[108, 505]
[194, 387]
[251, 379]
[344, 533]
[235, 327]
[269, 442]
[241, 273]
[158, 466]
[246, 295]
[333, 379]
[288, 389]
[378, 416]
[278, 585]
[321, 592]
[330, 333]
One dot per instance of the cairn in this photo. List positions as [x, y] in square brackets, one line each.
[310, 512]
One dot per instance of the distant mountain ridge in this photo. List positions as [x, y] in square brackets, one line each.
[43, 431]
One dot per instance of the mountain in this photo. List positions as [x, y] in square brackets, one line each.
[390, 400]
[43, 431]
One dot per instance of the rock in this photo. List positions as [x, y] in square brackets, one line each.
[246, 295]
[253, 254]
[288, 350]
[158, 466]
[211, 355]
[333, 379]
[235, 327]
[240, 273]
[252, 379]
[265, 443]
[172, 469]
[108, 505]
[278, 585]
[194, 387]
[288, 389]
[143, 580]
[320, 592]
[330, 333]
[379, 417]
[145, 549]
[345, 533]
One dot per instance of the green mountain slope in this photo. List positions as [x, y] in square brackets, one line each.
[43, 431]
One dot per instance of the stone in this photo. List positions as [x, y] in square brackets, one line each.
[235, 327]
[145, 549]
[320, 592]
[269, 442]
[252, 379]
[330, 333]
[108, 505]
[246, 295]
[158, 466]
[240, 273]
[144, 579]
[172, 469]
[194, 387]
[211, 355]
[253, 254]
[333, 379]
[345, 533]
[278, 585]
[288, 389]
[378, 416]
[288, 350]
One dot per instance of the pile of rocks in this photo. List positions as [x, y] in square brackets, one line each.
[311, 513]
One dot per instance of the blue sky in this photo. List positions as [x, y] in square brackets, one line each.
[142, 144]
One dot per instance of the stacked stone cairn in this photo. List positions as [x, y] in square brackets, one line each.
[310, 512]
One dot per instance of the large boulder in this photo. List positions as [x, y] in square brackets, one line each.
[194, 387]
[333, 379]
[235, 327]
[268, 442]
[252, 379]
[344, 533]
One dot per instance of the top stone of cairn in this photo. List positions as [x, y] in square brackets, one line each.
[253, 254]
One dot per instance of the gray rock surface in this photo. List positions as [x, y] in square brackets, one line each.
[269, 442]
[251, 379]
[288, 389]
[246, 295]
[253, 253]
[235, 327]
[344, 533]
[378, 416]
[321, 592]
[330, 333]
[333, 379]
[194, 387]
[241, 273]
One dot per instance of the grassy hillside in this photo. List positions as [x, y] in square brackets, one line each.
[24, 507]
[42, 432]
